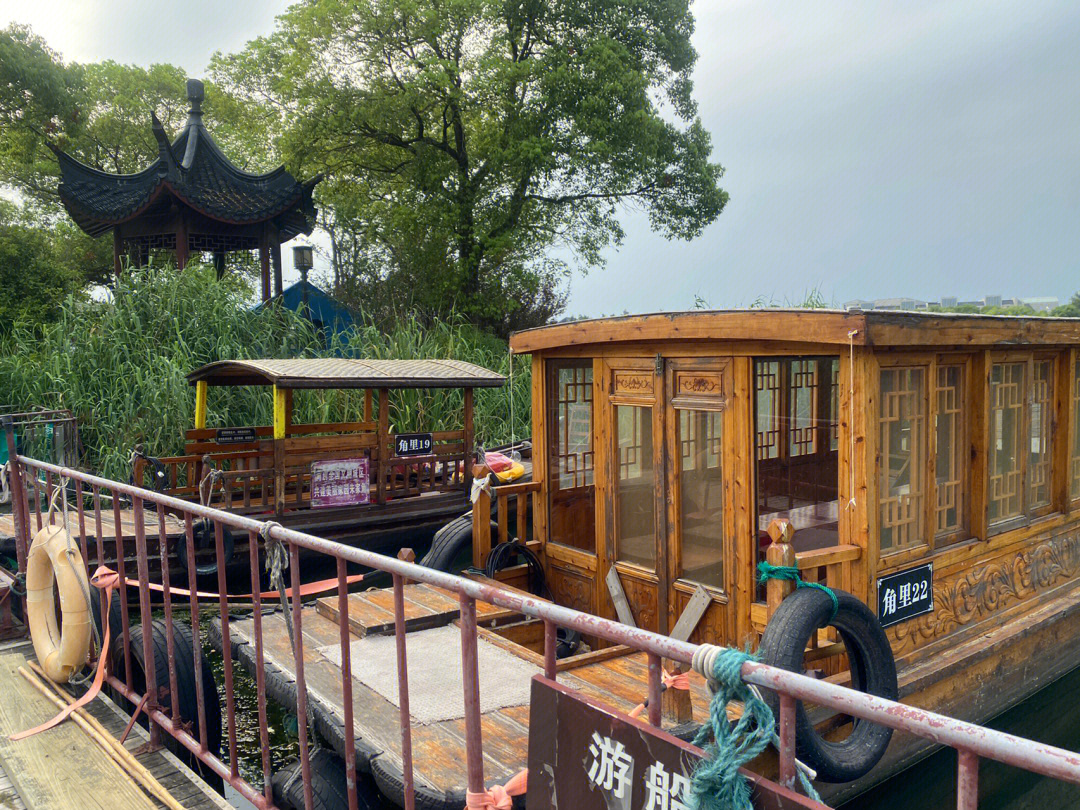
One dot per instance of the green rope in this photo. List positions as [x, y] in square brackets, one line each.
[717, 783]
[767, 571]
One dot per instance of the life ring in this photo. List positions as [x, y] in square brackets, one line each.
[873, 670]
[53, 555]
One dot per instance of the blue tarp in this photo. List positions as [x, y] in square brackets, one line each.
[323, 310]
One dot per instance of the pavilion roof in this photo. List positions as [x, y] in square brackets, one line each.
[193, 169]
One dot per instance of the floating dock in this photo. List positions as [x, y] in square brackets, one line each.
[63, 767]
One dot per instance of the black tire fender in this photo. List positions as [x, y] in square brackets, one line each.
[329, 790]
[202, 532]
[450, 541]
[873, 670]
[186, 698]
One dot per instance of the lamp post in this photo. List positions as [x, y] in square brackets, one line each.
[303, 260]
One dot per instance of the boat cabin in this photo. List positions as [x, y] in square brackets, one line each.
[672, 450]
[330, 477]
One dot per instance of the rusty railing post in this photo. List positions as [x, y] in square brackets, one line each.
[470, 679]
[19, 512]
[408, 787]
[967, 780]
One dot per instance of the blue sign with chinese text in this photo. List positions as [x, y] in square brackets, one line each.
[905, 594]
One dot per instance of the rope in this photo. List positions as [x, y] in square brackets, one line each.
[668, 680]
[717, 783]
[767, 571]
[500, 797]
[277, 560]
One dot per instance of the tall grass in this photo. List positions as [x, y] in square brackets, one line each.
[121, 366]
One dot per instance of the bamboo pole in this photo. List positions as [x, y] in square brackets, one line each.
[97, 732]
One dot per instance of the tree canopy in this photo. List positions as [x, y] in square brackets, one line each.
[464, 139]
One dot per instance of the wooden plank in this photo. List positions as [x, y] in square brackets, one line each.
[41, 766]
[692, 614]
[618, 597]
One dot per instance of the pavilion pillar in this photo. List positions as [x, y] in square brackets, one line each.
[117, 244]
[275, 255]
[181, 242]
[264, 265]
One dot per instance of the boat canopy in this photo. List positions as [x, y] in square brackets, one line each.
[306, 373]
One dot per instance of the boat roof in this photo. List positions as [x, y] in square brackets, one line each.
[812, 326]
[339, 372]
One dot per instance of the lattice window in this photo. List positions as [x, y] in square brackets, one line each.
[632, 435]
[1039, 463]
[1007, 384]
[572, 450]
[903, 448]
[950, 464]
[1074, 484]
[690, 438]
[767, 383]
[802, 407]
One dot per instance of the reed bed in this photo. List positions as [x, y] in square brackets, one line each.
[120, 365]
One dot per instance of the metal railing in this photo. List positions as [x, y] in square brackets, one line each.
[971, 741]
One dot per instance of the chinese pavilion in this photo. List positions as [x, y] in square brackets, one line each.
[192, 199]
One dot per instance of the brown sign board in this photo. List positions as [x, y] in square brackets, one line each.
[584, 755]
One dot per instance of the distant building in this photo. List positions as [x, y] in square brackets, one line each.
[1039, 304]
[1044, 304]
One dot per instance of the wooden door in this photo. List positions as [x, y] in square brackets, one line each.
[699, 474]
[634, 488]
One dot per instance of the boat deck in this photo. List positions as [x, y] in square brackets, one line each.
[173, 526]
[611, 676]
[64, 767]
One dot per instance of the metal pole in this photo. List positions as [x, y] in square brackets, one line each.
[967, 780]
[470, 678]
[787, 741]
[408, 785]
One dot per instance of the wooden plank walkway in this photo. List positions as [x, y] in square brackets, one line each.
[63, 767]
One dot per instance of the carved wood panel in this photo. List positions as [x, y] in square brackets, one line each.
[633, 382]
[969, 596]
[642, 598]
[571, 589]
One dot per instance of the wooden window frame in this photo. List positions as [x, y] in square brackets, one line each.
[1069, 411]
[1028, 513]
[933, 543]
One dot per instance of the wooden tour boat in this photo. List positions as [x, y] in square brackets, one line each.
[925, 467]
[358, 482]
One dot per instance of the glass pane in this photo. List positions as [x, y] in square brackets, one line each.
[572, 498]
[701, 497]
[903, 453]
[1074, 487]
[949, 464]
[803, 406]
[1006, 439]
[635, 536]
[767, 384]
[796, 469]
[573, 458]
[1041, 412]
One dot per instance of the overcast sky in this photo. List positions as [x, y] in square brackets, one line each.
[918, 148]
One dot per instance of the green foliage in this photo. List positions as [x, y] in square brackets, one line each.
[462, 140]
[121, 365]
[38, 268]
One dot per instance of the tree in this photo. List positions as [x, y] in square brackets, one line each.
[36, 272]
[465, 138]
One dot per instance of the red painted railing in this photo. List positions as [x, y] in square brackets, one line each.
[971, 741]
